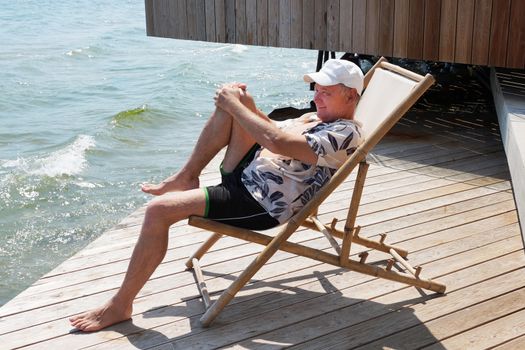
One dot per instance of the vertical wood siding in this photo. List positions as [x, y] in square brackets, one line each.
[484, 32]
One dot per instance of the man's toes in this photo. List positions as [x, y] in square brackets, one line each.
[74, 322]
[85, 326]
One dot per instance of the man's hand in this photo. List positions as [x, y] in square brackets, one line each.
[230, 94]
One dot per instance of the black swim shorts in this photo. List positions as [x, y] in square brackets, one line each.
[232, 204]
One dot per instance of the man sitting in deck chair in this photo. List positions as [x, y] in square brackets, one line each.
[269, 172]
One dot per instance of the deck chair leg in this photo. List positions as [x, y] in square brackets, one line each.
[201, 285]
[203, 249]
[356, 195]
[246, 275]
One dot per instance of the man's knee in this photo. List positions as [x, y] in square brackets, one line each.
[159, 211]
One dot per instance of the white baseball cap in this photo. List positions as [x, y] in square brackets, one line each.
[336, 71]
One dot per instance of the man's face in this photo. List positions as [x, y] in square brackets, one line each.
[333, 102]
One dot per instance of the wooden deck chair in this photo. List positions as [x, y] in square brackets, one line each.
[390, 92]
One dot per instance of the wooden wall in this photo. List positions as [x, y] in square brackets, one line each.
[482, 32]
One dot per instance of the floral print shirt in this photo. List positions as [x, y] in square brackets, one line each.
[284, 185]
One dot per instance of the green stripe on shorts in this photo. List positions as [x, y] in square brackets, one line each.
[207, 208]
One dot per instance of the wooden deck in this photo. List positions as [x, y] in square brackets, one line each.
[439, 188]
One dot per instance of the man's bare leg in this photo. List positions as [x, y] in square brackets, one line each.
[164, 211]
[221, 130]
[148, 254]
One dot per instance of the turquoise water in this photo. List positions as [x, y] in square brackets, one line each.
[90, 107]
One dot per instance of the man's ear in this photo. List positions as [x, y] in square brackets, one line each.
[353, 96]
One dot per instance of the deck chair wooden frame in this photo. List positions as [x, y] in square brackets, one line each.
[415, 85]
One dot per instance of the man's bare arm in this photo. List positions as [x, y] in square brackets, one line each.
[266, 134]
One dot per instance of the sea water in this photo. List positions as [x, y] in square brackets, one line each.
[90, 108]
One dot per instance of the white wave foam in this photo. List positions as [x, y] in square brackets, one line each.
[81, 51]
[70, 160]
[238, 48]
[235, 48]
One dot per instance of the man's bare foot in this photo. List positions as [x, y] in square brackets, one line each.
[100, 318]
[177, 182]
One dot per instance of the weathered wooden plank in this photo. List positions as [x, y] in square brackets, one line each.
[200, 11]
[308, 24]
[251, 22]
[196, 20]
[285, 19]
[517, 343]
[430, 217]
[460, 321]
[431, 31]
[273, 23]
[296, 26]
[333, 15]
[480, 42]
[240, 22]
[499, 32]
[386, 28]
[161, 16]
[345, 25]
[230, 20]
[401, 19]
[416, 29]
[178, 11]
[359, 26]
[409, 315]
[320, 23]
[483, 337]
[516, 43]
[220, 21]
[447, 33]
[262, 22]
[372, 26]
[149, 8]
[209, 9]
[465, 29]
